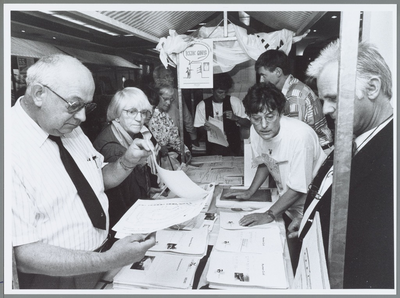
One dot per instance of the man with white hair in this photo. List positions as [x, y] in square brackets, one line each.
[369, 251]
[59, 209]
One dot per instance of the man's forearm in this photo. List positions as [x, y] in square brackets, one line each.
[286, 200]
[40, 258]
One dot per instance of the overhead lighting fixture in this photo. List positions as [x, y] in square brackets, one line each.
[23, 31]
[75, 21]
[54, 37]
[314, 30]
[334, 17]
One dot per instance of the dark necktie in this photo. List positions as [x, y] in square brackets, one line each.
[85, 191]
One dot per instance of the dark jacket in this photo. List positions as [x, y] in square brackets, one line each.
[135, 186]
[369, 252]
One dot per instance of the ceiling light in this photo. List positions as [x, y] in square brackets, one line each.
[54, 37]
[23, 31]
[314, 30]
[333, 17]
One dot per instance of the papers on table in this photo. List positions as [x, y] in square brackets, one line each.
[192, 242]
[158, 271]
[261, 198]
[230, 220]
[146, 216]
[250, 241]
[243, 270]
[222, 170]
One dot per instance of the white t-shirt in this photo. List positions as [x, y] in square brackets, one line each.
[293, 157]
[200, 117]
[46, 206]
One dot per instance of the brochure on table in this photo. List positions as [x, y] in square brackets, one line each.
[158, 271]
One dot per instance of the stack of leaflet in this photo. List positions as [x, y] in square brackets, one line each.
[158, 271]
[247, 257]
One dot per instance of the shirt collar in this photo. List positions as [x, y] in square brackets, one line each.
[287, 84]
[29, 128]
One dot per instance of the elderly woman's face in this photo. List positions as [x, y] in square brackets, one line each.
[133, 117]
[165, 101]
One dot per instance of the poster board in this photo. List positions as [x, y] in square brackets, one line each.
[196, 66]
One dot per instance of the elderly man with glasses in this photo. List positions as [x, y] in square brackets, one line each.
[284, 147]
[59, 208]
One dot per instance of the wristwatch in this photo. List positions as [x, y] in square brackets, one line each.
[271, 214]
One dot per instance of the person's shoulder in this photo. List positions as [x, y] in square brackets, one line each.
[295, 125]
[106, 135]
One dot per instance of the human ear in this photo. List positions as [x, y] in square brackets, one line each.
[278, 71]
[373, 87]
[37, 94]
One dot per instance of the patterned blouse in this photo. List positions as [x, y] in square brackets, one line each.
[164, 130]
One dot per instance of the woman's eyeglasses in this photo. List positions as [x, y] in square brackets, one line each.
[133, 113]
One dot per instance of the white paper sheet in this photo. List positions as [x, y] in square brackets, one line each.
[250, 241]
[192, 242]
[180, 184]
[247, 270]
[146, 216]
[312, 272]
[216, 134]
[158, 271]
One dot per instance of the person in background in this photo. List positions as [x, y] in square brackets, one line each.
[56, 240]
[302, 103]
[369, 252]
[130, 83]
[284, 147]
[226, 108]
[126, 114]
[164, 76]
[163, 127]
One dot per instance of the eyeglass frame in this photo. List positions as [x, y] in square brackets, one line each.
[89, 107]
[130, 113]
[268, 119]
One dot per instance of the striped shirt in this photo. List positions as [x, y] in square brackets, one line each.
[45, 204]
[303, 104]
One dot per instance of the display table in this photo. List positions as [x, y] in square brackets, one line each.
[200, 281]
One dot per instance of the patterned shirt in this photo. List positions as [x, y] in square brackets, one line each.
[46, 206]
[164, 130]
[303, 104]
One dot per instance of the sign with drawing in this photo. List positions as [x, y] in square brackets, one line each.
[196, 66]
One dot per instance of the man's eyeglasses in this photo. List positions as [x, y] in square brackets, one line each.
[257, 118]
[75, 106]
[133, 113]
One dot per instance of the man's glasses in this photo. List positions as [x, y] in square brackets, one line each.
[257, 118]
[133, 113]
[75, 106]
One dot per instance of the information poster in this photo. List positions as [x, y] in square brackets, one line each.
[196, 66]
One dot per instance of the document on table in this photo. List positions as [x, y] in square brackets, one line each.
[312, 272]
[230, 220]
[146, 216]
[252, 240]
[158, 271]
[216, 134]
[192, 242]
[241, 270]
